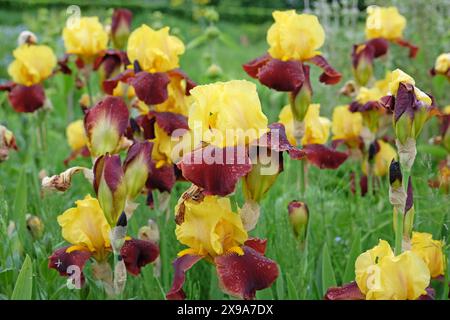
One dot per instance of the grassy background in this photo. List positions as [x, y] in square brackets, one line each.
[341, 224]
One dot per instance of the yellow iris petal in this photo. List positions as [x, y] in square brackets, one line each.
[227, 113]
[385, 23]
[86, 225]
[346, 125]
[295, 36]
[430, 251]
[211, 226]
[76, 135]
[155, 50]
[33, 64]
[86, 37]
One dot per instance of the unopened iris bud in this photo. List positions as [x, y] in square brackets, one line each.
[301, 99]
[362, 65]
[214, 71]
[105, 125]
[121, 27]
[110, 186]
[395, 174]
[35, 226]
[298, 217]
[137, 167]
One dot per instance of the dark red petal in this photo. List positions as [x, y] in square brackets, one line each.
[252, 67]
[110, 84]
[349, 291]
[363, 184]
[151, 87]
[412, 48]
[380, 46]
[7, 86]
[27, 99]
[147, 124]
[257, 244]
[110, 61]
[110, 168]
[329, 75]
[181, 74]
[324, 157]
[241, 276]
[162, 179]
[404, 101]
[275, 139]
[139, 148]
[113, 109]
[216, 170]
[430, 295]
[63, 65]
[138, 253]
[60, 260]
[169, 121]
[282, 75]
[181, 265]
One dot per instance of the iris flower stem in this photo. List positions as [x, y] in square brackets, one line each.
[401, 215]
[302, 182]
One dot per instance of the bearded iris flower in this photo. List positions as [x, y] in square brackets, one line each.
[293, 39]
[383, 25]
[381, 275]
[86, 38]
[346, 127]
[31, 66]
[212, 231]
[87, 230]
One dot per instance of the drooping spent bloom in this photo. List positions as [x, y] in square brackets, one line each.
[383, 25]
[32, 65]
[88, 232]
[212, 231]
[7, 142]
[442, 66]
[293, 39]
[85, 38]
[380, 275]
[105, 125]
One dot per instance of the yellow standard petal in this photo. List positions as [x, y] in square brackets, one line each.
[211, 226]
[385, 23]
[86, 225]
[227, 113]
[398, 76]
[155, 50]
[86, 37]
[287, 119]
[430, 251]
[76, 136]
[346, 125]
[317, 129]
[382, 276]
[33, 64]
[295, 36]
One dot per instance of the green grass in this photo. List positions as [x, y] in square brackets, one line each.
[337, 217]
